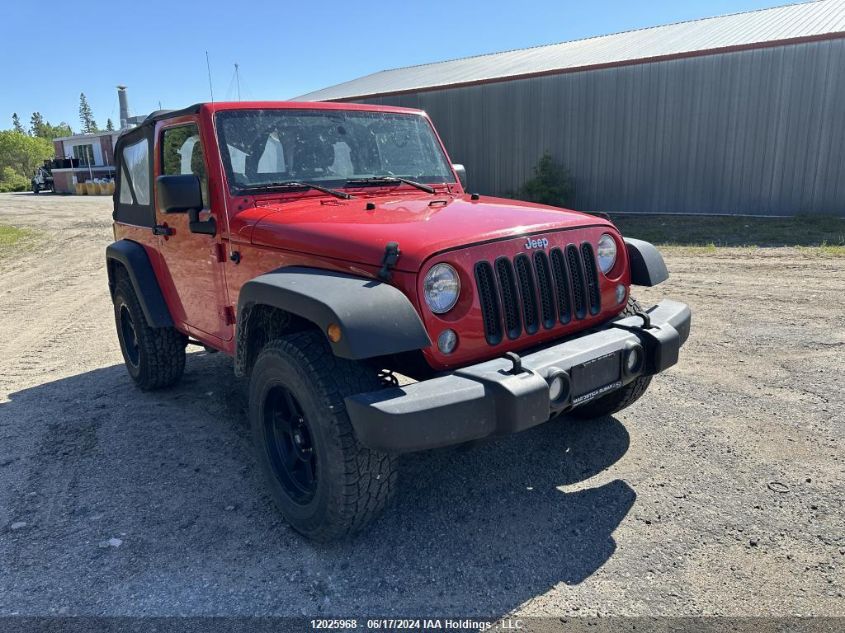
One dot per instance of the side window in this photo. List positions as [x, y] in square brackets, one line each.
[136, 173]
[125, 192]
[181, 153]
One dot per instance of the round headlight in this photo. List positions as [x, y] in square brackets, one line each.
[606, 253]
[441, 288]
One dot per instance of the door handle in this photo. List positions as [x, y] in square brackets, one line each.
[162, 229]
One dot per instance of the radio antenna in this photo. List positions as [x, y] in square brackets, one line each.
[223, 191]
[210, 86]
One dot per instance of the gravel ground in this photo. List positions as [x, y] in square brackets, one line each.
[720, 492]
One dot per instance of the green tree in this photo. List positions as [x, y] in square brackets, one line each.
[20, 155]
[10, 180]
[552, 184]
[109, 125]
[42, 129]
[36, 125]
[62, 129]
[86, 116]
[16, 124]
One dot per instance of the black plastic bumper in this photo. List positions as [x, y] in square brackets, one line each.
[490, 399]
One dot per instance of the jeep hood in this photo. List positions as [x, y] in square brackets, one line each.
[348, 230]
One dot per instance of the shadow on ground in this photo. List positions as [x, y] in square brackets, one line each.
[171, 474]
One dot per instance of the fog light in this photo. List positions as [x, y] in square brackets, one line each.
[620, 293]
[447, 341]
[558, 386]
[634, 360]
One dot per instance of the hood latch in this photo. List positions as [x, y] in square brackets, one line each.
[391, 256]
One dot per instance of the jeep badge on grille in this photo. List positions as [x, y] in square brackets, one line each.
[541, 243]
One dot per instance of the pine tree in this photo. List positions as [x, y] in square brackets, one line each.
[43, 129]
[16, 124]
[86, 116]
[109, 125]
[36, 125]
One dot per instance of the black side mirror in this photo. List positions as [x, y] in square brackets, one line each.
[461, 171]
[183, 194]
[178, 194]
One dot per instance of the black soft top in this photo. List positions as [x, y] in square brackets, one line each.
[160, 115]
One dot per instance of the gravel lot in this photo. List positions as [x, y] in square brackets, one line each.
[720, 492]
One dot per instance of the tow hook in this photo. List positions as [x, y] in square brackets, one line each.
[645, 317]
[517, 368]
[660, 343]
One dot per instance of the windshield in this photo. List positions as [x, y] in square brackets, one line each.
[329, 147]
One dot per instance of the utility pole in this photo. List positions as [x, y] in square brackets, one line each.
[238, 80]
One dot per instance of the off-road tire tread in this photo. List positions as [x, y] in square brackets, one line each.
[162, 348]
[369, 477]
[625, 397]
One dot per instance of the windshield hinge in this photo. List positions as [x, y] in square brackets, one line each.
[391, 256]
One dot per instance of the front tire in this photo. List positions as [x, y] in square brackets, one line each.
[326, 485]
[621, 398]
[154, 357]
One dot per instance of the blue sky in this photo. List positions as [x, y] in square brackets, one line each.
[52, 51]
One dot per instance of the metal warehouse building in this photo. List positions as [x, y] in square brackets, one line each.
[741, 113]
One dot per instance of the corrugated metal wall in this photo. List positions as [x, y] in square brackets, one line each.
[753, 132]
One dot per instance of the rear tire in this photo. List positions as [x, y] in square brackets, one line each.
[622, 398]
[154, 357]
[326, 485]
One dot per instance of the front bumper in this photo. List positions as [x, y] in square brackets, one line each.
[491, 398]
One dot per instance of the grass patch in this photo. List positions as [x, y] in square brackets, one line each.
[13, 238]
[825, 233]
[825, 250]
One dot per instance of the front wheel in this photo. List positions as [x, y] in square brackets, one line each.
[621, 398]
[154, 357]
[324, 482]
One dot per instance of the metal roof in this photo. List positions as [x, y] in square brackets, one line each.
[822, 19]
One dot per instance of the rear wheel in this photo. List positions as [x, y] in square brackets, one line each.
[154, 357]
[621, 398]
[325, 483]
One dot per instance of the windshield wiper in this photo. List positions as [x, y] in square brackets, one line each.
[295, 184]
[377, 180]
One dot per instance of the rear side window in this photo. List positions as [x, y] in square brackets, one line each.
[135, 176]
[182, 153]
[125, 187]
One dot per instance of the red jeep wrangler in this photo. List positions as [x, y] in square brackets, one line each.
[326, 246]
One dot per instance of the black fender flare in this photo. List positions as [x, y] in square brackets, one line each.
[375, 318]
[133, 257]
[647, 265]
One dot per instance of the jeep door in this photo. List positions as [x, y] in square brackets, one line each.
[192, 261]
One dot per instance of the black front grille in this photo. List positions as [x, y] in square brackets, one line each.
[509, 296]
[544, 290]
[562, 284]
[576, 271]
[527, 293]
[592, 277]
[488, 296]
